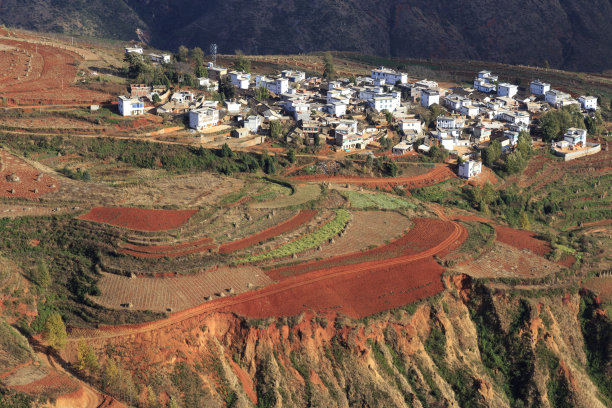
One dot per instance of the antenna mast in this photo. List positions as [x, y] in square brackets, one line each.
[213, 52]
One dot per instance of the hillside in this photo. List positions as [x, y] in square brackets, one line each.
[569, 34]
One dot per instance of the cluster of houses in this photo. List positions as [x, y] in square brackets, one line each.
[354, 113]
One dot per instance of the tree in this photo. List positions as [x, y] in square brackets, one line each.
[242, 63]
[55, 331]
[201, 71]
[369, 161]
[515, 162]
[388, 116]
[546, 64]
[435, 110]
[524, 219]
[555, 122]
[156, 98]
[391, 168]
[385, 143]
[87, 361]
[111, 375]
[262, 93]
[226, 88]
[291, 155]
[593, 122]
[41, 274]
[276, 129]
[438, 154]
[183, 53]
[329, 71]
[226, 151]
[492, 153]
[197, 55]
[317, 140]
[523, 144]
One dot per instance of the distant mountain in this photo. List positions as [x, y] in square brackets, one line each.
[569, 34]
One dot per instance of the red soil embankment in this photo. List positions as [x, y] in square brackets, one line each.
[139, 219]
[299, 219]
[32, 183]
[522, 239]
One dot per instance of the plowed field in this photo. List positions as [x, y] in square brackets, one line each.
[301, 218]
[29, 184]
[139, 219]
[522, 239]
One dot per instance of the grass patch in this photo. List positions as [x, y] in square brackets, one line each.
[361, 201]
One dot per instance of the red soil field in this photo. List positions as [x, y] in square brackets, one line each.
[175, 254]
[299, 219]
[157, 249]
[427, 233]
[522, 240]
[436, 175]
[139, 219]
[53, 383]
[27, 186]
[356, 290]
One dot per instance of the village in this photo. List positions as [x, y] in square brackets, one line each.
[361, 114]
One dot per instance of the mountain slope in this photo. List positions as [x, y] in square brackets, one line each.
[569, 34]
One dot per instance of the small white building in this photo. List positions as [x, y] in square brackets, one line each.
[203, 118]
[487, 76]
[505, 89]
[384, 102]
[183, 97]
[390, 76]
[232, 106]
[515, 117]
[240, 80]
[588, 102]
[349, 141]
[402, 147]
[538, 87]
[136, 50]
[252, 123]
[208, 83]
[160, 58]
[449, 122]
[429, 97]
[411, 125]
[575, 137]
[275, 85]
[469, 169]
[470, 111]
[294, 76]
[482, 85]
[130, 106]
[337, 109]
[554, 96]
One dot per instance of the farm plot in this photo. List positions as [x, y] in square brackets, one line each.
[522, 240]
[309, 241]
[427, 235]
[139, 219]
[506, 261]
[362, 201]
[189, 190]
[177, 293]
[303, 194]
[367, 229]
[170, 251]
[19, 179]
[301, 218]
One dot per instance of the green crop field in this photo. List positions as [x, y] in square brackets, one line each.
[361, 201]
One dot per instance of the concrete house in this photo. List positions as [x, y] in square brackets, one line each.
[203, 118]
[135, 50]
[240, 79]
[538, 87]
[232, 106]
[429, 97]
[588, 102]
[252, 123]
[275, 85]
[130, 106]
[390, 76]
[469, 169]
[505, 89]
[407, 125]
[402, 147]
[216, 72]
[294, 76]
[575, 137]
[139, 90]
[470, 111]
[515, 117]
[160, 58]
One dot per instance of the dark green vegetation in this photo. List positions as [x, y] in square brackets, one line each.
[447, 30]
[174, 158]
[70, 254]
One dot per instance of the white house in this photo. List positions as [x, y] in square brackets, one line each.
[470, 168]
[575, 137]
[337, 109]
[429, 97]
[482, 85]
[349, 141]
[455, 102]
[293, 76]
[538, 87]
[449, 122]
[505, 89]
[208, 83]
[130, 106]
[232, 106]
[487, 77]
[240, 79]
[470, 111]
[384, 102]
[136, 50]
[390, 76]
[160, 58]
[588, 102]
[203, 118]
[411, 124]
[515, 117]
[252, 123]
[402, 147]
[275, 85]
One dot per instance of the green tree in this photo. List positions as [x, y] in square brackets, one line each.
[388, 116]
[242, 63]
[262, 93]
[555, 122]
[276, 129]
[329, 71]
[546, 64]
[183, 54]
[369, 161]
[201, 71]
[515, 162]
[197, 55]
[492, 153]
[391, 168]
[291, 155]
[226, 88]
[434, 111]
[226, 151]
[593, 122]
[524, 218]
[317, 140]
[523, 144]
[87, 361]
[156, 98]
[54, 332]
[438, 154]
[41, 274]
